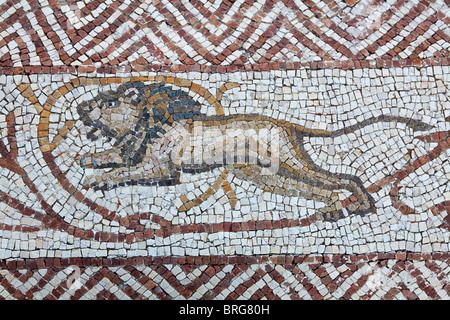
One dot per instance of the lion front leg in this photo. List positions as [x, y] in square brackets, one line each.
[105, 159]
[147, 173]
[106, 180]
[122, 177]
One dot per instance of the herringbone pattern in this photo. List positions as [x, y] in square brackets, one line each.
[350, 277]
[115, 33]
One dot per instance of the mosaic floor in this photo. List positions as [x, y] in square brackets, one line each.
[224, 149]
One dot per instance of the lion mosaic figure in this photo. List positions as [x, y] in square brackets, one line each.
[145, 123]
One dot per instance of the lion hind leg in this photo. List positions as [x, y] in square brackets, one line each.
[293, 186]
[361, 201]
[333, 209]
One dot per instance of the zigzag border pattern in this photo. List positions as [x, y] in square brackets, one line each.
[390, 276]
[189, 35]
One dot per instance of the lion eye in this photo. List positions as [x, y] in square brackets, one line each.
[108, 104]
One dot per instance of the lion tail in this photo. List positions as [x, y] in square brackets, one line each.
[416, 125]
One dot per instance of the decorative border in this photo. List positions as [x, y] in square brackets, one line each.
[40, 263]
[344, 65]
[385, 276]
[177, 36]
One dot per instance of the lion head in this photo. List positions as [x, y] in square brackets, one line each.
[135, 114]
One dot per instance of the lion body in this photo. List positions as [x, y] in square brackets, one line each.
[157, 133]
